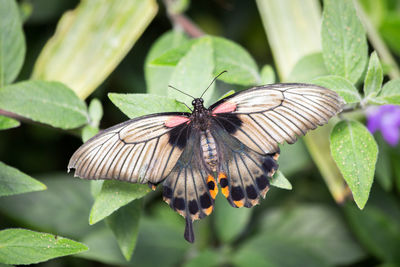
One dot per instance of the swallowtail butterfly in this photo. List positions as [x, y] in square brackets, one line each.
[234, 143]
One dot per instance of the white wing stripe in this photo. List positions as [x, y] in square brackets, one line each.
[103, 154]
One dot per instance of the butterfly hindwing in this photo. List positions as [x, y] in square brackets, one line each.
[141, 150]
[243, 174]
[265, 116]
[190, 189]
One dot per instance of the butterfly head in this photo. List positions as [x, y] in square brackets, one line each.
[198, 104]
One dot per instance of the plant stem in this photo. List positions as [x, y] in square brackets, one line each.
[182, 22]
[13, 116]
[377, 42]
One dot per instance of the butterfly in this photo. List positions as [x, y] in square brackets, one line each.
[233, 143]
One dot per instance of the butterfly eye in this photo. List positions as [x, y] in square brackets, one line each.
[201, 100]
[194, 102]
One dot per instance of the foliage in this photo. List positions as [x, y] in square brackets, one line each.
[42, 101]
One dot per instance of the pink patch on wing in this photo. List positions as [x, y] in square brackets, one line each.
[225, 107]
[175, 121]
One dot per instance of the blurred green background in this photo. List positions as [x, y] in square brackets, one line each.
[301, 227]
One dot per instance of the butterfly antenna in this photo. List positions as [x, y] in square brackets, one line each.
[170, 86]
[212, 82]
[186, 106]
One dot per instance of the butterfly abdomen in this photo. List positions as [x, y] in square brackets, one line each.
[209, 150]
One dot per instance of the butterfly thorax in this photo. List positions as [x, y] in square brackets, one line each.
[200, 115]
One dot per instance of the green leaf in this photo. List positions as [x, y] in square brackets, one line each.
[8, 123]
[125, 225]
[194, 72]
[355, 152]
[103, 246]
[341, 86]
[226, 55]
[229, 222]
[280, 181]
[344, 43]
[231, 92]
[377, 227]
[61, 209]
[21, 246]
[158, 76]
[241, 67]
[46, 102]
[13, 182]
[267, 75]
[135, 105]
[374, 77]
[305, 235]
[95, 115]
[174, 55]
[12, 42]
[95, 187]
[159, 244]
[113, 195]
[390, 94]
[91, 40]
[307, 68]
[95, 112]
[88, 132]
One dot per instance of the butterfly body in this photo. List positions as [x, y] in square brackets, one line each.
[233, 143]
[209, 150]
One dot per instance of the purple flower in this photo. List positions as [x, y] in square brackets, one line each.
[387, 120]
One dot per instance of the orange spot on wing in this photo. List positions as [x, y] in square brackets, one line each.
[225, 191]
[225, 188]
[208, 210]
[175, 121]
[276, 156]
[221, 175]
[213, 191]
[225, 107]
[239, 203]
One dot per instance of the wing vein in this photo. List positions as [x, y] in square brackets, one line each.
[123, 164]
[276, 125]
[263, 128]
[301, 130]
[152, 155]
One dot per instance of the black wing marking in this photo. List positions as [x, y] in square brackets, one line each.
[141, 150]
[266, 116]
[189, 189]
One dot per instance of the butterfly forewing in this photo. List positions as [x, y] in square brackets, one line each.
[265, 116]
[140, 150]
